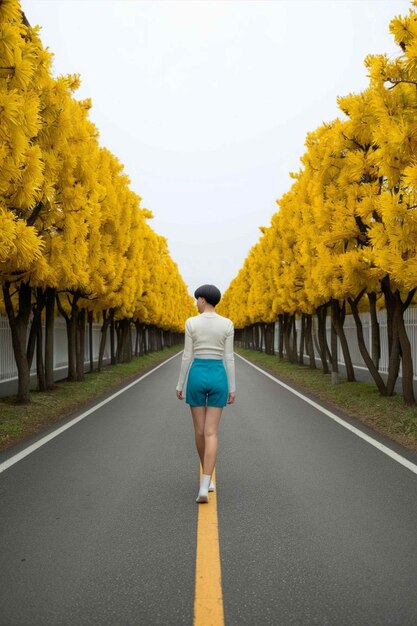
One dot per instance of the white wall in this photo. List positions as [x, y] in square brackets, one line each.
[8, 370]
[410, 317]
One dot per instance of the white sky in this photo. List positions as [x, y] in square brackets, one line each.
[207, 104]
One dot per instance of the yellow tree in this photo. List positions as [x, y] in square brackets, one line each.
[292, 256]
[347, 227]
[234, 302]
[163, 302]
[391, 225]
[46, 177]
[119, 253]
[334, 168]
[24, 71]
[70, 220]
[261, 291]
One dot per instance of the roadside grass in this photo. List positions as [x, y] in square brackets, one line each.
[388, 416]
[17, 422]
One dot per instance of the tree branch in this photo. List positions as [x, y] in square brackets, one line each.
[38, 208]
[394, 83]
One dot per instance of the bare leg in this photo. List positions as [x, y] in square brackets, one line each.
[211, 425]
[199, 418]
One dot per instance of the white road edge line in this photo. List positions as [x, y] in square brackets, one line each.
[380, 446]
[41, 442]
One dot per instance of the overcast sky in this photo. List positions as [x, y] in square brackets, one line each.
[207, 104]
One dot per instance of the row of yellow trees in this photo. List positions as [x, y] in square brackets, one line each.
[345, 234]
[72, 231]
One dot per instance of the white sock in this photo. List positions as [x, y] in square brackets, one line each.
[204, 486]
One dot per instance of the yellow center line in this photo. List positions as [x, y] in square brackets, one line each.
[208, 598]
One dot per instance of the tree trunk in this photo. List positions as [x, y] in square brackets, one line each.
[363, 349]
[281, 332]
[145, 349]
[167, 339]
[245, 337]
[392, 307]
[90, 340]
[389, 308]
[266, 336]
[18, 326]
[294, 351]
[375, 334]
[338, 316]
[286, 329]
[40, 367]
[150, 338]
[405, 346]
[72, 348]
[248, 337]
[127, 348]
[159, 338]
[272, 327]
[37, 308]
[118, 329]
[290, 337]
[255, 337]
[321, 318]
[309, 341]
[394, 357]
[80, 344]
[103, 338]
[31, 342]
[113, 360]
[124, 341]
[262, 345]
[71, 325]
[407, 361]
[335, 364]
[137, 339]
[49, 337]
[269, 338]
[302, 339]
[401, 348]
[287, 335]
[37, 325]
[153, 340]
[142, 340]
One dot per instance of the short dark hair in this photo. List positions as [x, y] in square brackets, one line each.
[210, 293]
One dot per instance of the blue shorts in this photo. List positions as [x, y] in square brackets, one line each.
[207, 383]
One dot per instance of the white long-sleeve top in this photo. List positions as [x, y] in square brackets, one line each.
[209, 336]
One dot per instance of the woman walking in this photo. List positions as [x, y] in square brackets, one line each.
[209, 362]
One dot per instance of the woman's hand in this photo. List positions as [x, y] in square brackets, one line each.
[179, 395]
[231, 398]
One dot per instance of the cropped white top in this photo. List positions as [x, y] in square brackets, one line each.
[208, 336]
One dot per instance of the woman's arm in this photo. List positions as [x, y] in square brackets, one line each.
[229, 361]
[187, 357]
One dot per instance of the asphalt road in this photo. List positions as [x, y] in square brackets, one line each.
[316, 526]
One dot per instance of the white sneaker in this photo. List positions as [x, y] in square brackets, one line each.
[212, 486]
[202, 497]
[204, 486]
